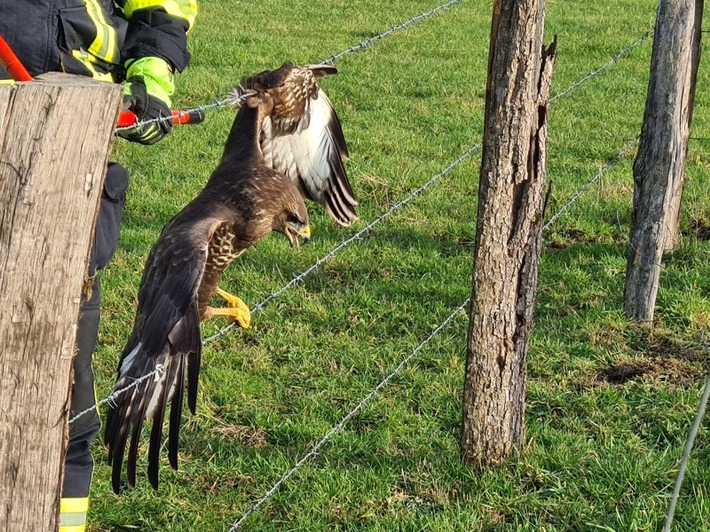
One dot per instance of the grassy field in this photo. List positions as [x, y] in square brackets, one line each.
[609, 404]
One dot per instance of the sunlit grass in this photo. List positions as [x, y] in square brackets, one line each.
[608, 405]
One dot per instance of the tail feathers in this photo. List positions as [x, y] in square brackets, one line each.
[149, 400]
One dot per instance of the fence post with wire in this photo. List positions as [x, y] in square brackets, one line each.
[56, 136]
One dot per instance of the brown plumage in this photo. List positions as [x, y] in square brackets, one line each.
[303, 137]
[244, 200]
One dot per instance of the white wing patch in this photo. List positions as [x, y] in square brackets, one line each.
[312, 157]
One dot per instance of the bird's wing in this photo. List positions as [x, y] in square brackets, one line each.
[166, 334]
[311, 154]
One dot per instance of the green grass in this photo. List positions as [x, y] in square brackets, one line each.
[602, 448]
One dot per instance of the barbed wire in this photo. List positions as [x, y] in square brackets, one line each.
[608, 166]
[404, 362]
[618, 57]
[398, 27]
[355, 48]
[111, 398]
[394, 208]
[357, 236]
[229, 100]
[347, 417]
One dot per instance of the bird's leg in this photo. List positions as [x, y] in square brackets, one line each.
[237, 311]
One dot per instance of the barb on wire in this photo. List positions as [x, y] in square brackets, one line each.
[618, 57]
[111, 398]
[397, 27]
[314, 450]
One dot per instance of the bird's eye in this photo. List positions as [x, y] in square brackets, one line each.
[293, 218]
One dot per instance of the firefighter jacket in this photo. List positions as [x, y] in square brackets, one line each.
[96, 37]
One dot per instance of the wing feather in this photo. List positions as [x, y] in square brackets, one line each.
[312, 156]
[166, 333]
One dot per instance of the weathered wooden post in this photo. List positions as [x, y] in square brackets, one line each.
[511, 205]
[55, 138]
[660, 163]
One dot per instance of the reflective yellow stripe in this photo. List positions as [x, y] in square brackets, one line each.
[72, 514]
[104, 45]
[185, 9]
[73, 504]
[87, 61]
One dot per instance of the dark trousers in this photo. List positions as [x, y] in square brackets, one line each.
[78, 464]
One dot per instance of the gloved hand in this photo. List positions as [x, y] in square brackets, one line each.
[147, 91]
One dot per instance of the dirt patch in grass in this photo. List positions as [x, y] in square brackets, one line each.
[701, 228]
[255, 438]
[675, 368]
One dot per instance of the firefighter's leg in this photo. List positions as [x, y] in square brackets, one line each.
[79, 465]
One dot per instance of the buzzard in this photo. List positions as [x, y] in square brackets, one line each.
[285, 144]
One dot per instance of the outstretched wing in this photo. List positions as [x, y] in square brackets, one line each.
[166, 335]
[303, 138]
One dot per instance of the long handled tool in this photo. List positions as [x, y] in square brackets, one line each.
[18, 72]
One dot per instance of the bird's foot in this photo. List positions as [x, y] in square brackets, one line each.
[238, 312]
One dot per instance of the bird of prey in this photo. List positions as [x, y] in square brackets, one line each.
[303, 138]
[245, 199]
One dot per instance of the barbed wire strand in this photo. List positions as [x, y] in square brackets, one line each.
[355, 48]
[591, 183]
[399, 368]
[618, 57]
[398, 27]
[686, 454]
[359, 235]
[111, 398]
[347, 418]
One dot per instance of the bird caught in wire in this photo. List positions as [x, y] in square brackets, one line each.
[286, 144]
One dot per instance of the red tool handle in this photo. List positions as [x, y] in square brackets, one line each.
[128, 118]
[11, 62]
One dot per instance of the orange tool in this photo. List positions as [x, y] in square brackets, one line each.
[16, 69]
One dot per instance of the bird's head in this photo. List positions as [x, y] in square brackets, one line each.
[292, 222]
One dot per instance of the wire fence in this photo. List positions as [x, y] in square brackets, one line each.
[362, 45]
[366, 230]
[336, 428]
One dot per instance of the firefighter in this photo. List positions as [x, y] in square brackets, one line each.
[139, 43]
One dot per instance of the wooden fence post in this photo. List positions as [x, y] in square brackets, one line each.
[660, 163]
[511, 206]
[55, 138]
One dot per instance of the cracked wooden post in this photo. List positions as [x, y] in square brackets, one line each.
[511, 205]
[55, 138]
[660, 163]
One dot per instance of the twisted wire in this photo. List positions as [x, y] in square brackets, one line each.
[336, 428]
[355, 48]
[395, 207]
[397, 27]
[347, 418]
[618, 57]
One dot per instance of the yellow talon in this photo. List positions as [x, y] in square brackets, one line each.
[238, 312]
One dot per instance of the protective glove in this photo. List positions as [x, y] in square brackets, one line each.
[147, 91]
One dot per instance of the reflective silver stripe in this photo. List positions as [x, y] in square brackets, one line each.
[72, 518]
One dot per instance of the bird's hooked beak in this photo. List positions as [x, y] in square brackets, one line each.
[295, 236]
